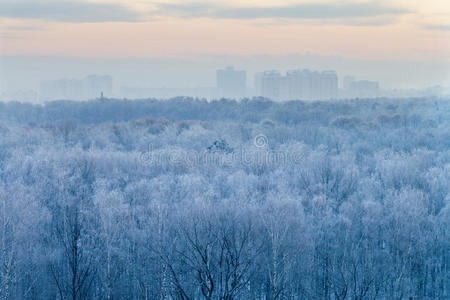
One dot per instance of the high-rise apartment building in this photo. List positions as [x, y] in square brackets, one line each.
[231, 83]
[297, 85]
[268, 84]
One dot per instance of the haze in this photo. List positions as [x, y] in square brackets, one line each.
[402, 44]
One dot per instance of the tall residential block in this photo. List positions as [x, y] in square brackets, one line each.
[231, 83]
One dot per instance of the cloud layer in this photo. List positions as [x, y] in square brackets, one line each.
[80, 11]
[437, 27]
[67, 11]
[295, 11]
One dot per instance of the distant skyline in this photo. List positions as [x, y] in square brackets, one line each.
[379, 40]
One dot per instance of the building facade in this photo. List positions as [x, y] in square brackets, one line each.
[231, 83]
[297, 85]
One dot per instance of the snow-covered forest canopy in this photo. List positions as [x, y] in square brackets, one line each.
[250, 199]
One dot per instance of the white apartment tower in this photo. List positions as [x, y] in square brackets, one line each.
[231, 83]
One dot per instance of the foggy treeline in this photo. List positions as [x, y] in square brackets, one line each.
[250, 199]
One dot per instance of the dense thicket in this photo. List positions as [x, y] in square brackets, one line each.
[188, 199]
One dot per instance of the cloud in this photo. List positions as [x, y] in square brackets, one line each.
[80, 11]
[9, 37]
[437, 27]
[67, 11]
[307, 11]
[23, 28]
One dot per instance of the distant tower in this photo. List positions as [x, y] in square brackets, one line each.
[231, 83]
[101, 95]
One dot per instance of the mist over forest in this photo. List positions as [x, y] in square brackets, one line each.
[22, 73]
[252, 199]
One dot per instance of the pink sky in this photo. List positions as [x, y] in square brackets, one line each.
[409, 30]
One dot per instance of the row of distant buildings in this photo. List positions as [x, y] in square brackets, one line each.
[230, 83]
[353, 88]
[89, 87]
[297, 84]
[294, 85]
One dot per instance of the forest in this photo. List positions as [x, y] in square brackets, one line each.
[251, 199]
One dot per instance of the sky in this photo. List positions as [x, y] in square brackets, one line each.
[397, 32]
